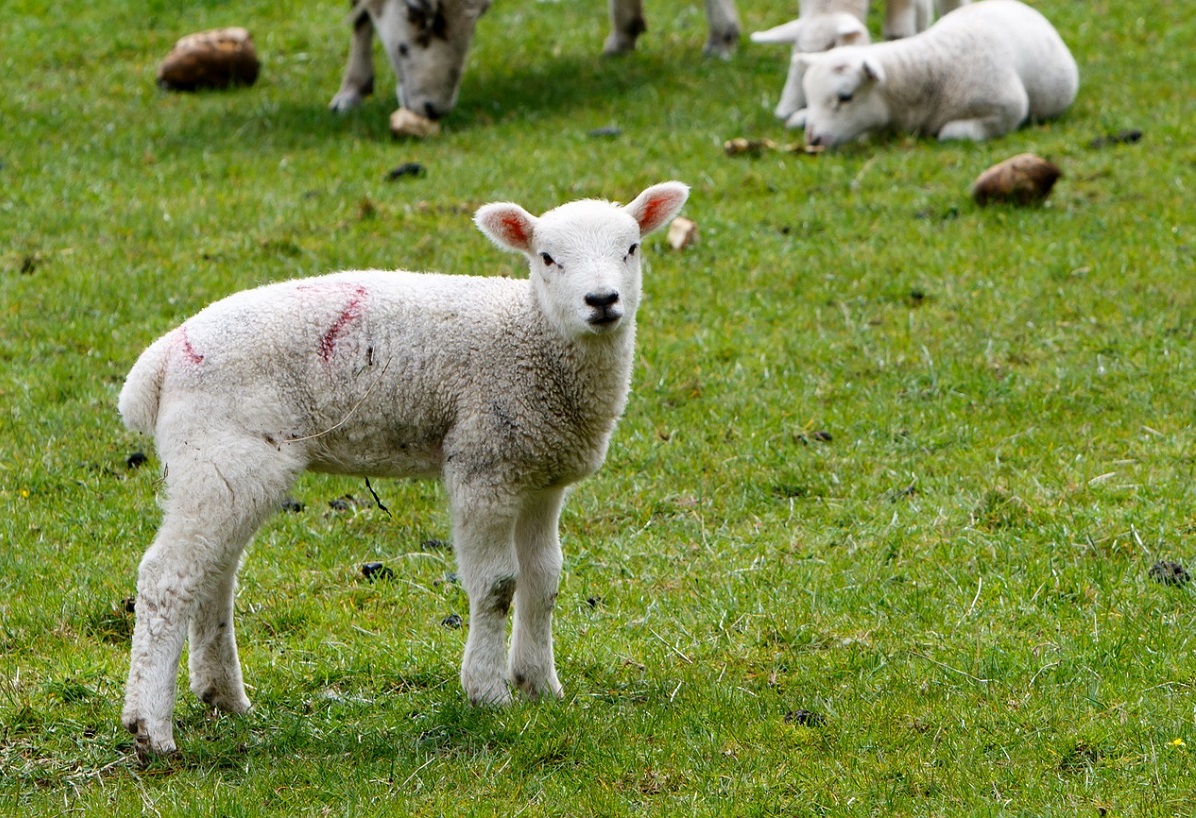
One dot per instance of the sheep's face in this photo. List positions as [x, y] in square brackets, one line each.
[843, 97]
[585, 268]
[427, 42]
[585, 256]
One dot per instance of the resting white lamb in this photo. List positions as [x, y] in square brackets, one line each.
[979, 72]
[825, 24]
[508, 390]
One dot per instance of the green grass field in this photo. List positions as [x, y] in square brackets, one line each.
[873, 537]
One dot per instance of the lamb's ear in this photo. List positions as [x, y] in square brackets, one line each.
[784, 34]
[657, 205]
[851, 32]
[507, 225]
[873, 70]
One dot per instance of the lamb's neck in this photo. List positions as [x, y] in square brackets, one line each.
[591, 373]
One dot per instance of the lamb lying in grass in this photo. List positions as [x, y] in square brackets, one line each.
[979, 72]
[825, 24]
[508, 390]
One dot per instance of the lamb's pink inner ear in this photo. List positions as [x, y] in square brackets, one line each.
[657, 205]
[508, 225]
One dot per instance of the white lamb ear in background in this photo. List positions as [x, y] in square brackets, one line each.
[657, 205]
[784, 34]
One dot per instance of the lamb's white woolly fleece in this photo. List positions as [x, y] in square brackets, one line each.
[507, 390]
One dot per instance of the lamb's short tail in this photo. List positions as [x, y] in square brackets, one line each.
[138, 401]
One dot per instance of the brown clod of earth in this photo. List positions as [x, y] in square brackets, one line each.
[682, 233]
[738, 145]
[210, 59]
[1025, 179]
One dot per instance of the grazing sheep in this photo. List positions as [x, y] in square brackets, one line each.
[507, 390]
[979, 72]
[825, 24]
[427, 41]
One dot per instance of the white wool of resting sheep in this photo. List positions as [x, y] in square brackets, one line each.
[508, 390]
[979, 72]
[825, 24]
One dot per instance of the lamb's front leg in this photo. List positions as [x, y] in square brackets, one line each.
[489, 572]
[537, 542]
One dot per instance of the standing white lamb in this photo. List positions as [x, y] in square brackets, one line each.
[508, 390]
[825, 24]
[979, 72]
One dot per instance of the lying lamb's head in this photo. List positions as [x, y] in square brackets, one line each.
[585, 256]
[809, 35]
[844, 96]
[427, 42]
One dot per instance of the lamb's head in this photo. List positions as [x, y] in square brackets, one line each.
[427, 42]
[844, 96]
[585, 256]
[809, 35]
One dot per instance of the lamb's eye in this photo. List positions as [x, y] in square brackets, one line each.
[547, 259]
[845, 98]
[631, 250]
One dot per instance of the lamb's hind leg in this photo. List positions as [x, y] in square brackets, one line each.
[215, 666]
[537, 543]
[186, 579]
[174, 581]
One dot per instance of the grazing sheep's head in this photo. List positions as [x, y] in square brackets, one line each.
[585, 256]
[843, 97]
[811, 35]
[427, 42]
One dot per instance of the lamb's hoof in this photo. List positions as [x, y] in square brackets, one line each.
[146, 747]
[541, 690]
[235, 704]
[617, 46]
[344, 102]
[495, 696]
[721, 46]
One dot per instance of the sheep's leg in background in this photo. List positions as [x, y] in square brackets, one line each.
[947, 6]
[723, 19]
[358, 80]
[484, 538]
[905, 18]
[626, 25]
[538, 547]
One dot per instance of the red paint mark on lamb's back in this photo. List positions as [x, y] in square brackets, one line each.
[348, 314]
[190, 355]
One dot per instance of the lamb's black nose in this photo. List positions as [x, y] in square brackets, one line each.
[602, 299]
